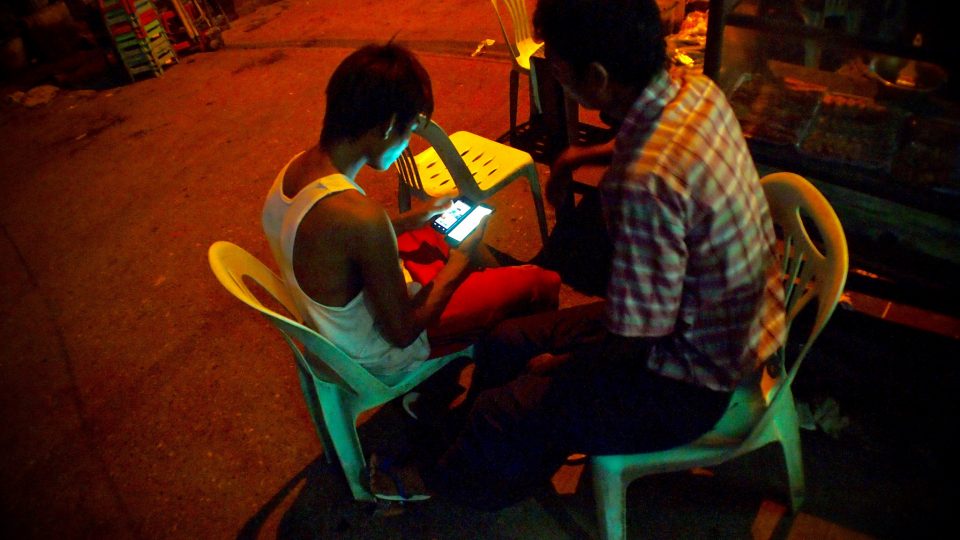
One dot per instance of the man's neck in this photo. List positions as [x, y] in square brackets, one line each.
[621, 100]
[345, 159]
[318, 163]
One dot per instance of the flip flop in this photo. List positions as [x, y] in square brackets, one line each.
[385, 468]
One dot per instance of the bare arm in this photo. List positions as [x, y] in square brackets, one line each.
[401, 318]
[419, 216]
[561, 171]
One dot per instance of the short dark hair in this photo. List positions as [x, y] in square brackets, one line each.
[371, 85]
[624, 36]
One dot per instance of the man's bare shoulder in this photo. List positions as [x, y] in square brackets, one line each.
[347, 215]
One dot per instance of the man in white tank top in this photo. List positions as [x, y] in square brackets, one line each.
[338, 250]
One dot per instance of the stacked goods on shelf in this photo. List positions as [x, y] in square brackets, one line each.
[686, 48]
[773, 110]
[139, 36]
[854, 130]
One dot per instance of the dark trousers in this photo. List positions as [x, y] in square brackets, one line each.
[603, 401]
[579, 248]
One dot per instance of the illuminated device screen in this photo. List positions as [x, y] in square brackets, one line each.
[448, 218]
[469, 223]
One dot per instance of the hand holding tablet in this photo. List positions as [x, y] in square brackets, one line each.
[461, 219]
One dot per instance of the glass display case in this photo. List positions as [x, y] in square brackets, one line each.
[863, 98]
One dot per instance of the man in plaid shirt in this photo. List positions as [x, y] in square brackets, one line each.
[694, 300]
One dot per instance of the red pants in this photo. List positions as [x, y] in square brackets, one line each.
[484, 299]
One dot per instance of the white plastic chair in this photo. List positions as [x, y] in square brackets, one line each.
[522, 47]
[762, 409]
[336, 388]
[465, 164]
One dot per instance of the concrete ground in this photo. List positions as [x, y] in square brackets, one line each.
[140, 400]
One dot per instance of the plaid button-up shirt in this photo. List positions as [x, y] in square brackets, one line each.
[693, 259]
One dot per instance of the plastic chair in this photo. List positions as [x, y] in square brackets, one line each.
[466, 164]
[522, 47]
[336, 388]
[762, 409]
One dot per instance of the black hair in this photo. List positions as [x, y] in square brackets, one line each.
[371, 85]
[624, 36]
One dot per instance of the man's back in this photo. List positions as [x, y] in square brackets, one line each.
[324, 258]
[324, 267]
[333, 242]
[692, 237]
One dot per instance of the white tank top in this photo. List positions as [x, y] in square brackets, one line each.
[350, 327]
[274, 208]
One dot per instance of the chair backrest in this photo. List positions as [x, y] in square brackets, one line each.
[522, 29]
[407, 168]
[810, 272]
[813, 269]
[449, 157]
[325, 361]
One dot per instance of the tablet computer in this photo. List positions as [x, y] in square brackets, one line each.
[461, 219]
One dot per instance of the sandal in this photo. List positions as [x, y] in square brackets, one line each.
[390, 484]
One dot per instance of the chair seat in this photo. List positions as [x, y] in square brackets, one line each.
[492, 165]
[465, 164]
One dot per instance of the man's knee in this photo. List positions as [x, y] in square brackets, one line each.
[544, 288]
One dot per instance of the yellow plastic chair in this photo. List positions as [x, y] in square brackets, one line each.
[522, 47]
[336, 388]
[465, 164]
[762, 409]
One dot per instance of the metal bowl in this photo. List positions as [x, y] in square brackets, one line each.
[907, 75]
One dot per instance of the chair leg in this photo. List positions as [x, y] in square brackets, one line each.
[788, 429]
[535, 107]
[609, 491]
[538, 202]
[403, 196]
[313, 407]
[341, 423]
[514, 97]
